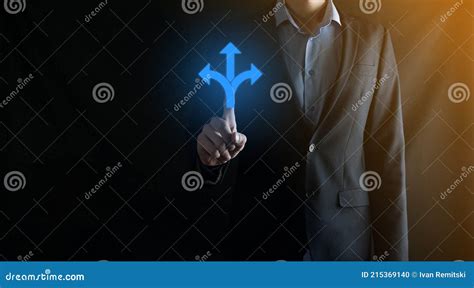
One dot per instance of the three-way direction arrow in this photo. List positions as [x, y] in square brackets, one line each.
[230, 82]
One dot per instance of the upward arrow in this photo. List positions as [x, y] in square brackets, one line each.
[230, 50]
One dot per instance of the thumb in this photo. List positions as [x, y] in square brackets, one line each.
[235, 137]
[229, 117]
[239, 139]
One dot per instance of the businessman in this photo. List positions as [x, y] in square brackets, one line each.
[333, 149]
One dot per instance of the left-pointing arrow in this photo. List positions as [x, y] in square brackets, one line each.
[207, 74]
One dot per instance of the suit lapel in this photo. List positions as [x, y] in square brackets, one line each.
[350, 46]
[289, 113]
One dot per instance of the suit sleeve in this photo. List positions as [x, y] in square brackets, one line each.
[219, 179]
[211, 175]
[385, 154]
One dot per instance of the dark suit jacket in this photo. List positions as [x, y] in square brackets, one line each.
[343, 220]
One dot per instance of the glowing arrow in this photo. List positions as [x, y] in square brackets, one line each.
[230, 50]
[207, 74]
[230, 83]
[253, 75]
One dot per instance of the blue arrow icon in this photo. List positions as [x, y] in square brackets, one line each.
[230, 50]
[230, 82]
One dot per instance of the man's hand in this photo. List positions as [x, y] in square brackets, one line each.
[219, 140]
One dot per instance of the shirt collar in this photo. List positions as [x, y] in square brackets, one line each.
[282, 14]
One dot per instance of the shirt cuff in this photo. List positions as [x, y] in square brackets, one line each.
[212, 174]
